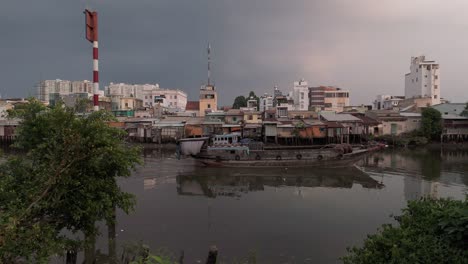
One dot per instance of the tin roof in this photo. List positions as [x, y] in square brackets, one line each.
[332, 117]
[450, 108]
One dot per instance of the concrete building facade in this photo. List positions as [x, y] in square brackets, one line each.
[173, 100]
[300, 95]
[328, 98]
[208, 99]
[423, 80]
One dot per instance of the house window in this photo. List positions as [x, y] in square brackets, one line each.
[209, 105]
[146, 97]
[435, 96]
[436, 77]
[425, 76]
[175, 103]
[435, 86]
[250, 117]
[412, 80]
[234, 119]
[302, 95]
[416, 79]
[175, 96]
[425, 85]
[416, 70]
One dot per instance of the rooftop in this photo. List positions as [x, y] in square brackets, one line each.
[332, 117]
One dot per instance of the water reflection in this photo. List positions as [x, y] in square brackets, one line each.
[235, 183]
[289, 215]
[424, 170]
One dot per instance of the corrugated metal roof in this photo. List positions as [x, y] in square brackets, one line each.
[453, 116]
[339, 117]
[450, 108]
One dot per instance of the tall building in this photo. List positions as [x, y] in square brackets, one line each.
[51, 91]
[328, 98]
[300, 95]
[423, 80]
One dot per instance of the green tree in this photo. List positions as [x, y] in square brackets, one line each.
[465, 111]
[65, 180]
[239, 102]
[431, 123]
[429, 231]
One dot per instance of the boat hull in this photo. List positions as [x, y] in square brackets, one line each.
[308, 160]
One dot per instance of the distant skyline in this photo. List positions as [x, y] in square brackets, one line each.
[364, 46]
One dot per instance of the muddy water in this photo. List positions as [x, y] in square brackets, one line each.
[290, 215]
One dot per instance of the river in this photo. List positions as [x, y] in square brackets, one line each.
[290, 215]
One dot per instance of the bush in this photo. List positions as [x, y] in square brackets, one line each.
[429, 231]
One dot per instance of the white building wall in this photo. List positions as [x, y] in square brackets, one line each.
[266, 103]
[423, 80]
[174, 100]
[300, 95]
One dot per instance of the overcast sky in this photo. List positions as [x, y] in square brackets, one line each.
[361, 45]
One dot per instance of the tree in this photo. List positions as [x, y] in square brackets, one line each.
[252, 95]
[431, 123]
[239, 102]
[65, 179]
[465, 111]
[429, 231]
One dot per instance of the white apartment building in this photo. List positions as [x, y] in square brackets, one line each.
[266, 102]
[52, 90]
[173, 100]
[423, 80]
[300, 95]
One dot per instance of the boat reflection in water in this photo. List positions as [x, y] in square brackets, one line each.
[235, 183]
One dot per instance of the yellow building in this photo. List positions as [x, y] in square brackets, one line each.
[208, 99]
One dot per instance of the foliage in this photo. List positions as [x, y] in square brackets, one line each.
[239, 102]
[431, 123]
[65, 179]
[465, 111]
[403, 140]
[429, 231]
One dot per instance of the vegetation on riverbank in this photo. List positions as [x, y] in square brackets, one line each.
[429, 231]
[430, 131]
[64, 181]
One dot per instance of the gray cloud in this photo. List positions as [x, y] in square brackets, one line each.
[362, 45]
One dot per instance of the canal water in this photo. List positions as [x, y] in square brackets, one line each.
[290, 215]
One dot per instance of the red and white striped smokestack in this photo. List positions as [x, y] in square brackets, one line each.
[92, 36]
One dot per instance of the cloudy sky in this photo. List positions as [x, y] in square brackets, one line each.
[362, 45]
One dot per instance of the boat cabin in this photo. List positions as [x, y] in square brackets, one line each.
[227, 139]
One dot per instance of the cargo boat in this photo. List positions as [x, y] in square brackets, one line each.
[229, 151]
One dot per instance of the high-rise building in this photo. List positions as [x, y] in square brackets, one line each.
[300, 95]
[328, 98]
[423, 80]
[51, 91]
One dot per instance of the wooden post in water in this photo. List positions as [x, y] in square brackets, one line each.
[212, 255]
[71, 256]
